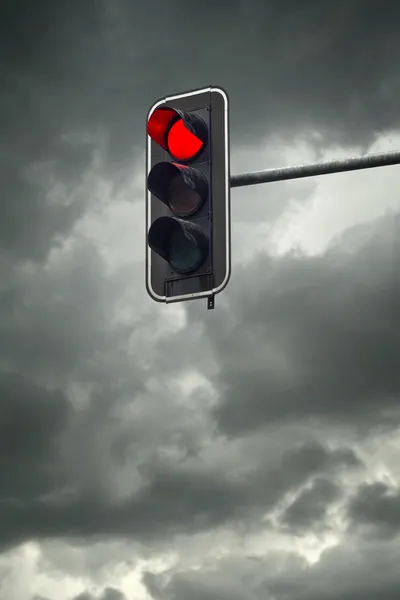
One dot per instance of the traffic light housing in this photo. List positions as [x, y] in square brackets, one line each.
[188, 246]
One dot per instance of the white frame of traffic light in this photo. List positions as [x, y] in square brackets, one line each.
[368, 161]
[204, 294]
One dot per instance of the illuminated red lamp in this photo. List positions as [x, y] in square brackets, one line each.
[184, 135]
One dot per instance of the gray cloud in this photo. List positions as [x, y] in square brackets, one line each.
[320, 336]
[107, 594]
[101, 59]
[344, 572]
[100, 446]
[376, 507]
[78, 79]
[65, 479]
[163, 469]
[32, 421]
[56, 323]
[98, 440]
[309, 509]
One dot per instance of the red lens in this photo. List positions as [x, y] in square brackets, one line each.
[182, 143]
[159, 123]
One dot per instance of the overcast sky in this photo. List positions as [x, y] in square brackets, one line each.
[152, 452]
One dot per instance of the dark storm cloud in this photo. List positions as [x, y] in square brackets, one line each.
[68, 490]
[316, 337]
[56, 322]
[310, 508]
[198, 501]
[33, 422]
[313, 337]
[376, 507]
[343, 573]
[42, 98]
[107, 594]
[92, 69]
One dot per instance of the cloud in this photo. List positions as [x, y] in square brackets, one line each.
[132, 431]
[108, 594]
[319, 335]
[348, 571]
[32, 421]
[140, 456]
[310, 508]
[75, 103]
[375, 508]
[77, 490]
[102, 59]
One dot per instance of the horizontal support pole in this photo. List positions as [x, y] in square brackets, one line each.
[367, 161]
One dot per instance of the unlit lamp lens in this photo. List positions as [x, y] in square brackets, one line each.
[183, 199]
[183, 254]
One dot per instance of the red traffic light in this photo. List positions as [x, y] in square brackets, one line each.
[187, 196]
[183, 189]
[184, 135]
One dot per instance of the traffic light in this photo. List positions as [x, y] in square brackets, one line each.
[188, 252]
